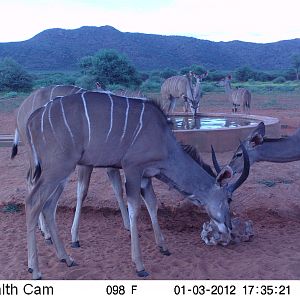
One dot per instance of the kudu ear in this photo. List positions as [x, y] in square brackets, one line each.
[257, 136]
[204, 75]
[224, 176]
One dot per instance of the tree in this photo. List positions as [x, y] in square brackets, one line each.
[109, 67]
[244, 74]
[167, 72]
[13, 77]
[194, 68]
[296, 64]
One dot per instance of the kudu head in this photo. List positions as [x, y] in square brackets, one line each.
[217, 202]
[253, 140]
[224, 81]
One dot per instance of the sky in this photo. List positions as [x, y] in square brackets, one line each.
[259, 21]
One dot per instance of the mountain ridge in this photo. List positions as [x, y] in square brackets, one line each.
[61, 49]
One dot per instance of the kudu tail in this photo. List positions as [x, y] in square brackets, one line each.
[33, 178]
[35, 170]
[14, 150]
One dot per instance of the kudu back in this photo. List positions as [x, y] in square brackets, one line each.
[104, 130]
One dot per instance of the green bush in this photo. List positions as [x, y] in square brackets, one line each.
[150, 86]
[54, 78]
[243, 74]
[87, 82]
[13, 77]
[279, 79]
[109, 67]
[167, 72]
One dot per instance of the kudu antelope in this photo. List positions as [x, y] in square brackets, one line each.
[36, 100]
[237, 96]
[113, 131]
[260, 148]
[182, 87]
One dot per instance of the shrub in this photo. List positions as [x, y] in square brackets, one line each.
[13, 77]
[167, 72]
[279, 79]
[150, 86]
[110, 67]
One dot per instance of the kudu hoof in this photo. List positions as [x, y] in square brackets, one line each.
[48, 241]
[72, 263]
[164, 252]
[142, 273]
[75, 244]
[38, 277]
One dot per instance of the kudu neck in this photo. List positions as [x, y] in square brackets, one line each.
[197, 89]
[186, 175]
[228, 88]
[281, 150]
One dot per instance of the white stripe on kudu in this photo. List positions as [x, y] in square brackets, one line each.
[138, 129]
[126, 119]
[86, 115]
[65, 120]
[33, 102]
[111, 116]
[51, 94]
[42, 124]
[51, 124]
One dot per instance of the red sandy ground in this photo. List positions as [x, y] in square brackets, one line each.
[273, 253]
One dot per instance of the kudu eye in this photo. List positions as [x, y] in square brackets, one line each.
[240, 154]
[229, 200]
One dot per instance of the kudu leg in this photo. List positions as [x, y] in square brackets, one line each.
[33, 207]
[172, 105]
[35, 203]
[84, 176]
[185, 104]
[44, 229]
[133, 189]
[41, 221]
[116, 181]
[49, 212]
[152, 206]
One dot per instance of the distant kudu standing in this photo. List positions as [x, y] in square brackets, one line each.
[260, 148]
[182, 87]
[197, 92]
[113, 131]
[36, 100]
[237, 96]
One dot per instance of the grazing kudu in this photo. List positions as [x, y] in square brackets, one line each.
[36, 100]
[182, 87]
[260, 148]
[237, 96]
[113, 131]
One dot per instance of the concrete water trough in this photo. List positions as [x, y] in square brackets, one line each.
[223, 131]
[6, 140]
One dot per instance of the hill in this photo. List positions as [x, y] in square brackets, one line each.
[61, 49]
